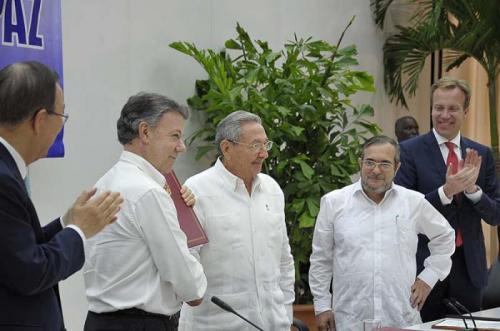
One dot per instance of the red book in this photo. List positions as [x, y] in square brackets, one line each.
[188, 221]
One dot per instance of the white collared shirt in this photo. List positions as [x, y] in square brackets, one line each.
[369, 249]
[474, 197]
[444, 149]
[142, 260]
[247, 259]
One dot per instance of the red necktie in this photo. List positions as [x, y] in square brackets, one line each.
[453, 161]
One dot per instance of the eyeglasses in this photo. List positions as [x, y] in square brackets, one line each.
[370, 164]
[64, 116]
[257, 147]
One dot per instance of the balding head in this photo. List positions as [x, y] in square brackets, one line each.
[25, 88]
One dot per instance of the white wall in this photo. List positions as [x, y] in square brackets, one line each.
[115, 48]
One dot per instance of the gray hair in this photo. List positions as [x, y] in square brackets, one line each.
[144, 107]
[381, 140]
[230, 127]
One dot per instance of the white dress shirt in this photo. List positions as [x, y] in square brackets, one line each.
[369, 249]
[247, 259]
[142, 260]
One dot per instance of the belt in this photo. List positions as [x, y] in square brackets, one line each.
[137, 312]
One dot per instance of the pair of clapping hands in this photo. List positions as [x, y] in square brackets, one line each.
[465, 178]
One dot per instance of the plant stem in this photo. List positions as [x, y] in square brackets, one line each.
[329, 68]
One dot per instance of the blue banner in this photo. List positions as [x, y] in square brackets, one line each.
[30, 30]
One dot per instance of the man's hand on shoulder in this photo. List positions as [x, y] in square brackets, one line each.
[91, 214]
[325, 321]
[419, 293]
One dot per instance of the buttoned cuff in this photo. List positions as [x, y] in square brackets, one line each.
[429, 277]
[322, 305]
[444, 199]
[77, 229]
[476, 196]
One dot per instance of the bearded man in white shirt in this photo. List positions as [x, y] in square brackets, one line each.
[247, 260]
[139, 271]
[365, 239]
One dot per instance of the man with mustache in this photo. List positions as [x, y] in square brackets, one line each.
[364, 244]
[139, 271]
[247, 259]
[457, 176]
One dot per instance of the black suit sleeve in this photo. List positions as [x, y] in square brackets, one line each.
[51, 229]
[30, 263]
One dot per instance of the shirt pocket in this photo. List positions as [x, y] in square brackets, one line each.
[353, 241]
[225, 231]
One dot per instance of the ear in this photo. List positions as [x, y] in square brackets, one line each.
[466, 111]
[144, 132]
[360, 163]
[39, 121]
[397, 167]
[225, 146]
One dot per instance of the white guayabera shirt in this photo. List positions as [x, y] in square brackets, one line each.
[247, 260]
[369, 249]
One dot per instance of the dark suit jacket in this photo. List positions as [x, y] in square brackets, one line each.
[32, 259]
[423, 169]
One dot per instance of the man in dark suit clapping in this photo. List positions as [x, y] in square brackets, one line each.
[35, 258]
[457, 175]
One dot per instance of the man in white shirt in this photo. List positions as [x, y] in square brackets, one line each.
[34, 259]
[139, 271]
[365, 239]
[247, 260]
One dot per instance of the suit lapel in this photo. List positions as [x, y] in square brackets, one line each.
[8, 160]
[433, 152]
[464, 144]
[12, 166]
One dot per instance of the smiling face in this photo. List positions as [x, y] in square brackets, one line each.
[164, 142]
[448, 112]
[239, 158]
[378, 179]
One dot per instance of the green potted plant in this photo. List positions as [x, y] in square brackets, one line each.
[302, 93]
